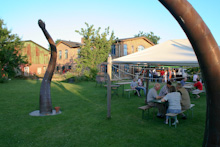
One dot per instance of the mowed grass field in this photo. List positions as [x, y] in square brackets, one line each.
[83, 119]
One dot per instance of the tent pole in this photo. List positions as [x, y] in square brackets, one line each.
[147, 83]
[109, 76]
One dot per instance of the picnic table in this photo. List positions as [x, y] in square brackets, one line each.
[122, 83]
[188, 87]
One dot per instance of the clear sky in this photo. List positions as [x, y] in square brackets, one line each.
[125, 17]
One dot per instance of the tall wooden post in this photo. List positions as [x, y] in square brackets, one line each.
[109, 76]
[147, 83]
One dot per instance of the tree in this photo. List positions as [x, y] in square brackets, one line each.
[153, 38]
[10, 52]
[94, 51]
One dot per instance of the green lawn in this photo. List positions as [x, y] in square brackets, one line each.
[83, 120]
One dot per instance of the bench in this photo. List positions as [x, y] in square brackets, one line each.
[144, 108]
[129, 90]
[195, 93]
[174, 115]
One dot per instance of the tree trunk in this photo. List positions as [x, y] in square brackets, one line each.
[208, 55]
[45, 97]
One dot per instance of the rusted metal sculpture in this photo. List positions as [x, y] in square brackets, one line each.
[45, 98]
[208, 54]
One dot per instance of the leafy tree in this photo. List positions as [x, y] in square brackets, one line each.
[94, 51]
[10, 52]
[153, 38]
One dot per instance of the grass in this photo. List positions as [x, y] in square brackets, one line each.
[83, 120]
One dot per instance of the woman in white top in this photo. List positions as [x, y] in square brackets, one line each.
[173, 99]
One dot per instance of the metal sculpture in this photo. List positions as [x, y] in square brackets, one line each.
[208, 54]
[45, 97]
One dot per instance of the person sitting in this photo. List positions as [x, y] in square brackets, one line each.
[141, 85]
[183, 81]
[185, 98]
[164, 90]
[152, 95]
[134, 86]
[173, 99]
[199, 87]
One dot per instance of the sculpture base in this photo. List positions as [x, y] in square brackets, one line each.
[37, 113]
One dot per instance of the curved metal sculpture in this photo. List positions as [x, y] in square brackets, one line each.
[45, 98]
[208, 55]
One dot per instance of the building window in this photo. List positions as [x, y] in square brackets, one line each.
[140, 48]
[60, 54]
[113, 50]
[125, 49]
[66, 54]
[78, 52]
[132, 49]
[126, 68]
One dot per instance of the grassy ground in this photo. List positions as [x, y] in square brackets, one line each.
[83, 120]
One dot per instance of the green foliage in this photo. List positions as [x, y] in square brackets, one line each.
[10, 52]
[94, 51]
[193, 70]
[153, 38]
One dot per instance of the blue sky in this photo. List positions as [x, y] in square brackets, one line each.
[125, 17]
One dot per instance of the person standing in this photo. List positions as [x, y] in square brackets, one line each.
[195, 77]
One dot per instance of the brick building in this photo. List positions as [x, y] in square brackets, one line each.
[67, 52]
[37, 56]
[124, 47]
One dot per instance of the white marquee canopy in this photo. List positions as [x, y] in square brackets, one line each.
[170, 53]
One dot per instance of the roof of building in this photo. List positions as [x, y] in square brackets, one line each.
[133, 38]
[37, 44]
[70, 43]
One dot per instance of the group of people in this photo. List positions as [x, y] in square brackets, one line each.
[177, 97]
[138, 86]
[162, 76]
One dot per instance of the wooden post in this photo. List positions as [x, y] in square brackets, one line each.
[109, 76]
[147, 83]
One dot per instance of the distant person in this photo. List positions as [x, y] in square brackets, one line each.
[165, 76]
[173, 99]
[152, 95]
[199, 87]
[195, 77]
[134, 86]
[165, 89]
[185, 98]
[183, 81]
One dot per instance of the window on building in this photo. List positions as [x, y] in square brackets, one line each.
[78, 52]
[125, 49]
[66, 54]
[113, 50]
[140, 48]
[60, 54]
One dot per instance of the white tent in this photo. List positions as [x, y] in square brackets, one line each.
[171, 53]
